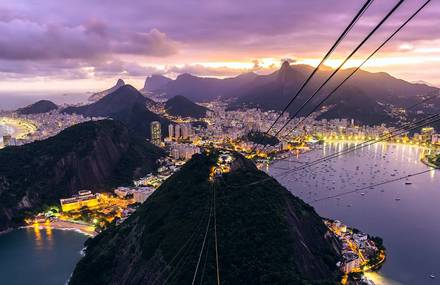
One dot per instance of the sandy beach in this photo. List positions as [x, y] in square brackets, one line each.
[68, 226]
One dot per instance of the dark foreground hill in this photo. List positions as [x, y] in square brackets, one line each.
[91, 155]
[265, 235]
[42, 106]
[183, 107]
[127, 105]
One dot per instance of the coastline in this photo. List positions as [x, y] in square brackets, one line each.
[8, 230]
[21, 128]
[425, 161]
[65, 226]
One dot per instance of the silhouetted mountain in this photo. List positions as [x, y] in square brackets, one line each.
[156, 82]
[366, 97]
[96, 155]
[42, 106]
[99, 95]
[183, 107]
[380, 92]
[265, 235]
[127, 105]
[200, 89]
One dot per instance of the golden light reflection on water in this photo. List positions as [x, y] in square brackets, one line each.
[42, 234]
[49, 235]
[432, 173]
[37, 233]
[380, 279]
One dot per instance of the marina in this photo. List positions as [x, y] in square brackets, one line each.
[392, 211]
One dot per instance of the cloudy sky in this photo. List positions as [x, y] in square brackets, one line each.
[88, 44]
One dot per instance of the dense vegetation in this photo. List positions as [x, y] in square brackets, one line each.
[262, 138]
[42, 106]
[265, 235]
[93, 155]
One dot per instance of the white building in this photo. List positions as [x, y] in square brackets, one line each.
[170, 131]
[141, 194]
[177, 132]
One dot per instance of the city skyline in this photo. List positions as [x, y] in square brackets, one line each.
[88, 49]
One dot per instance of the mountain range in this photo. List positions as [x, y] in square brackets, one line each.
[181, 106]
[95, 155]
[367, 97]
[42, 106]
[125, 104]
[265, 235]
[198, 89]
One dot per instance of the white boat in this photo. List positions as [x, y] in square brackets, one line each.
[432, 276]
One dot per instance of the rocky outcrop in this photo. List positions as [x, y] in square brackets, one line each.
[156, 82]
[99, 95]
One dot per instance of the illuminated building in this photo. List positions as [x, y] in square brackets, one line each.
[84, 199]
[7, 139]
[156, 135]
[435, 139]
[170, 131]
[141, 194]
[352, 262]
[177, 132]
[426, 134]
[186, 129]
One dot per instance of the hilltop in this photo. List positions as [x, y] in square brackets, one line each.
[127, 105]
[93, 155]
[183, 107]
[155, 82]
[99, 95]
[265, 234]
[42, 106]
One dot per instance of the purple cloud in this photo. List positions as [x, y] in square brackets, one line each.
[115, 37]
[153, 43]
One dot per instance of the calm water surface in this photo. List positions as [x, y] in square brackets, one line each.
[410, 226]
[15, 100]
[39, 257]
